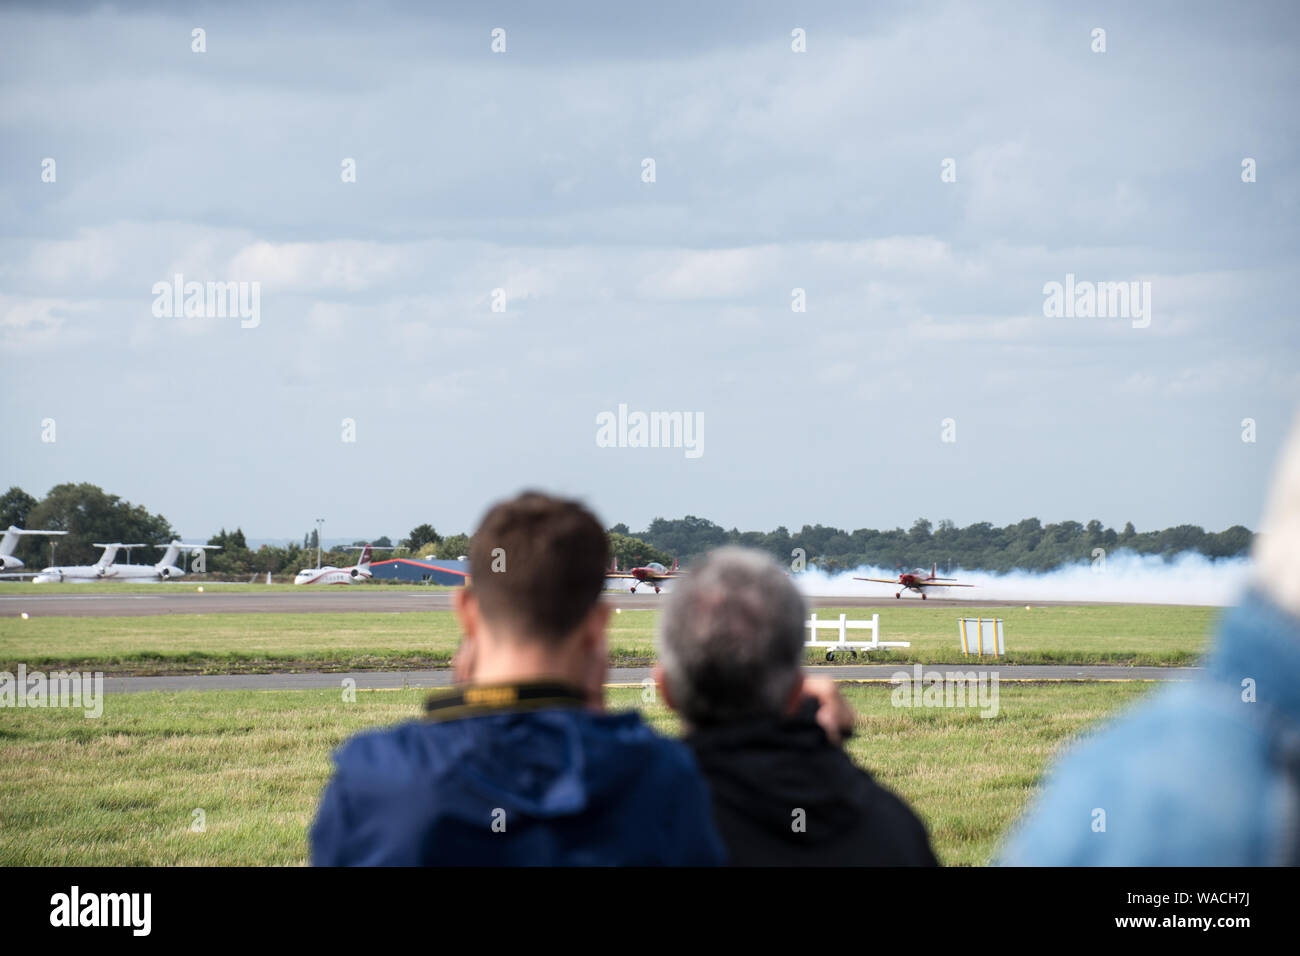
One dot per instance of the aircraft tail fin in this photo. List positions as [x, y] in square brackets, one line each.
[674, 567]
[170, 555]
[10, 539]
[111, 549]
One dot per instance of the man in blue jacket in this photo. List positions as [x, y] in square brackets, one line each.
[1208, 772]
[519, 765]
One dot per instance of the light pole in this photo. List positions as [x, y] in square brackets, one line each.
[320, 523]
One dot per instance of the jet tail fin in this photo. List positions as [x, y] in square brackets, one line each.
[10, 539]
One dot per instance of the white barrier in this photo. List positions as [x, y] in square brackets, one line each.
[842, 628]
[982, 635]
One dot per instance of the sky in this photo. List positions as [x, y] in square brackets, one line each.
[461, 268]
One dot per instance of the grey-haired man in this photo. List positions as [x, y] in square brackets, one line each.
[730, 663]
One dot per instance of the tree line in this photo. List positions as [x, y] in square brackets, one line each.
[1029, 544]
[90, 514]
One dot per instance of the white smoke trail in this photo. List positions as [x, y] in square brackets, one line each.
[1126, 577]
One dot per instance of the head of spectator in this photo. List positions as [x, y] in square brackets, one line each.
[1276, 549]
[521, 765]
[532, 610]
[731, 648]
[731, 641]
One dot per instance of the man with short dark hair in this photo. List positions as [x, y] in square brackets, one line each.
[731, 644]
[520, 765]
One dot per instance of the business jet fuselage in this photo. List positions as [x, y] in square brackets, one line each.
[105, 569]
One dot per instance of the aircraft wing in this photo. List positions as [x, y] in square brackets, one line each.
[936, 584]
[618, 574]
[879, 580]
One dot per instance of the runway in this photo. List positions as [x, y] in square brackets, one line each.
[634, 676]
[366, 600]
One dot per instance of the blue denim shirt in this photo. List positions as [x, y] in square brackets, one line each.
[1199, 775]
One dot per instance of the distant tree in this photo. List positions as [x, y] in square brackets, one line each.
[630, 551]
[1233, 542]
[15, 506]
[234, 558]
[90, 514]
[420, 536]
[454, 547]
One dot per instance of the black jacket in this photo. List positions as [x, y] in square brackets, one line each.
[761, 773]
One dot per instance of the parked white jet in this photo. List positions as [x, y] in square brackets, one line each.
[7, 545]
[84, 572]
[106, 570]
[331, 575]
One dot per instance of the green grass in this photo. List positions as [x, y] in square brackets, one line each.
[229, 643]
[121, 790]
[1134, 634]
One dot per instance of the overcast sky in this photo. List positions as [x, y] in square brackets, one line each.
[522, 171]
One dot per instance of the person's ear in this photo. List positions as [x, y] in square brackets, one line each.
[592, 631]
[595, 654]
[462, 662]
[661, 687]
[466, 606]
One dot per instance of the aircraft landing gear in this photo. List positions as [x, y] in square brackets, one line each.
[656, 590]
[633, 589]
[922, 595]
[899, 594]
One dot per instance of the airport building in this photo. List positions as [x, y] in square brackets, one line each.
[423, 570]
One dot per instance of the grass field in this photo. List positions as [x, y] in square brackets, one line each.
[123, 789]
[229, 643]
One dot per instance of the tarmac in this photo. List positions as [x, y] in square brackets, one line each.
[636, 676]
[347, 599]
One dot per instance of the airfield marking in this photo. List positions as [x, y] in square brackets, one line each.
[632, 677]
[380, 600]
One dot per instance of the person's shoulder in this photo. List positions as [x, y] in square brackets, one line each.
[399, 749]
[659, 753]
[891, 825]
[1200, 726]
[1183, 778]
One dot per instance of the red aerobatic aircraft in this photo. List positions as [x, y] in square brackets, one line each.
[653, 574]
[917, 580]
